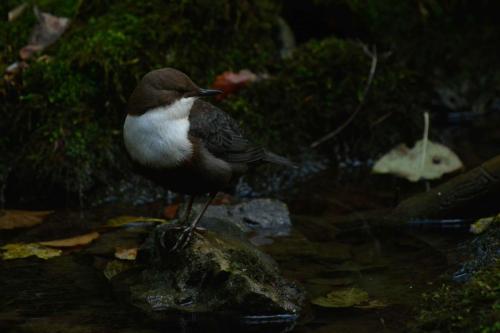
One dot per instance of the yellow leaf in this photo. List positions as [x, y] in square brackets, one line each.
[481, 225]
[121, 221]
[22, 250]
[73, 241]
[342, 298]
[11, 219]
[126, 254]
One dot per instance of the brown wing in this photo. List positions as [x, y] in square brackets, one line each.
[221, 135]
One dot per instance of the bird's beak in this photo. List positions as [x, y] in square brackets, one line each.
[209, 92]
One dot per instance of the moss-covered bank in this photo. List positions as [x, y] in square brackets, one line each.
[61, 119]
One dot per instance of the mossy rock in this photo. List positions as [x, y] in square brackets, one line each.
[216, 273]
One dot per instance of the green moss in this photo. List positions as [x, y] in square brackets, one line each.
[318, 89]
[63, 116]
[472, 307]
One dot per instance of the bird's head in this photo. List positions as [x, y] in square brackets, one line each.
[162, 87]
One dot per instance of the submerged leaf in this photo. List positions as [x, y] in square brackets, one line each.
[348, 298]
[122, 221]
[22, 250]
[342, 298]
[73, 241]
[404, 162]
[115, 267]
[12, 219]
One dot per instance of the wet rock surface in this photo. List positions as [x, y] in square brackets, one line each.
[263, 217]
[218, 272]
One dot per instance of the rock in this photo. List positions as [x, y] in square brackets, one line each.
[264, 217]
[217, 273]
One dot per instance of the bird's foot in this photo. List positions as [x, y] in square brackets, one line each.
[183, 239]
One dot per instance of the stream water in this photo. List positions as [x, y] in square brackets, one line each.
[393, 265]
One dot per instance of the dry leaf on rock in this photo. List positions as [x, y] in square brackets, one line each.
[73, 241]
[12, 219]
[22, 250]
[126, 254]
[404, 162]
[126, 220]
[47, 30]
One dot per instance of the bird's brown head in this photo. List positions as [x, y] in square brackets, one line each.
[162, 87]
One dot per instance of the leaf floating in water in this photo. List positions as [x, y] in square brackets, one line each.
[347, 298]
[406, 163]
[12, 219]
[481, 225]
[22, 250]
[73, 241]
[122, 221]
[126, 254]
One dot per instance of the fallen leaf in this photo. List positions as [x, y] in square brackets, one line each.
[12, 219]
[73, 241]
[231, 82]
[170, 212]
[126, 220]
[481, 225]
[126, 254]
[372, 304]
[22, 250]
[406, 163]
[342, 298]
[47, 30]
[115, 267]
[17, 11]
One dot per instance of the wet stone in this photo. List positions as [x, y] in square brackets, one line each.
[217, 273]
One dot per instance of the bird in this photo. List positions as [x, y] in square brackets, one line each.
[185, 144]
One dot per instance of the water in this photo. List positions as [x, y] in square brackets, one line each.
[393, 265]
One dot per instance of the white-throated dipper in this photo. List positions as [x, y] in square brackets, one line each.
[185, 144]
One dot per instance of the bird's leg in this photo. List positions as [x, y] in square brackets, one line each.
[182, 220]
[187, 213]
[186, 234]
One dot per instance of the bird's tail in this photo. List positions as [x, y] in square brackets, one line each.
[276, 159]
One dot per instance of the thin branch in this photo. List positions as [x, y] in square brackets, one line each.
[373, 67]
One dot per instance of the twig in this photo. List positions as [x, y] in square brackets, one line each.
[425, 140]
[373, 67]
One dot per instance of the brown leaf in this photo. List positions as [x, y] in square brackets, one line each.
[170, 212]
[48, 30]
[12, 219]
[126, 254]
[231, 82]
[73, 241]
[22, 250]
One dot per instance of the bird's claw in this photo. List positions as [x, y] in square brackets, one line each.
[183, 239]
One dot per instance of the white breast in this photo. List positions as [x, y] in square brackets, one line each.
[159, 137]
